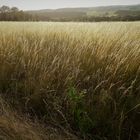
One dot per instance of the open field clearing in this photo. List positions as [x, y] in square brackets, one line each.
[80, 79]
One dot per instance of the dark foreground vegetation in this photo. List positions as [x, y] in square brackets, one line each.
[78, 82]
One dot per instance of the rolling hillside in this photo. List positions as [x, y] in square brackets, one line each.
[74, 13]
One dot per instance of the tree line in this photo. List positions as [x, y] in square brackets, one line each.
[14, 14]
[121, 15]
[111, 18]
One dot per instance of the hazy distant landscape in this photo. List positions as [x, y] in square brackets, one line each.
[89, 14]
[69, 73]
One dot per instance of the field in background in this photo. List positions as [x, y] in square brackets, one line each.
[80, 78]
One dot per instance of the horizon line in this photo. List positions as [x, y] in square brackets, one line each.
[73, 7]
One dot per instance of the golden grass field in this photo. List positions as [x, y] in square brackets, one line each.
[70, 81]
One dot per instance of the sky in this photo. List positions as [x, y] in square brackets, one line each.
[54, 4]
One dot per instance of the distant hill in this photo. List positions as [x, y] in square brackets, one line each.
[76, 13]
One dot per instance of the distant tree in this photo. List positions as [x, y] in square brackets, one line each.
[4, 9]
[4, 12]
[14, 9]
[14, 14]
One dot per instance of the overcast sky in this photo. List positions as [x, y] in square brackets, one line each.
[53, 4]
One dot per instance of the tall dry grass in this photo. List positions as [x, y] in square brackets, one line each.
[84, 77]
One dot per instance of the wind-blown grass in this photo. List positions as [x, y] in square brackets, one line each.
[84, 77]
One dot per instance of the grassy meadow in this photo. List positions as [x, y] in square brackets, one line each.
[70, 81]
